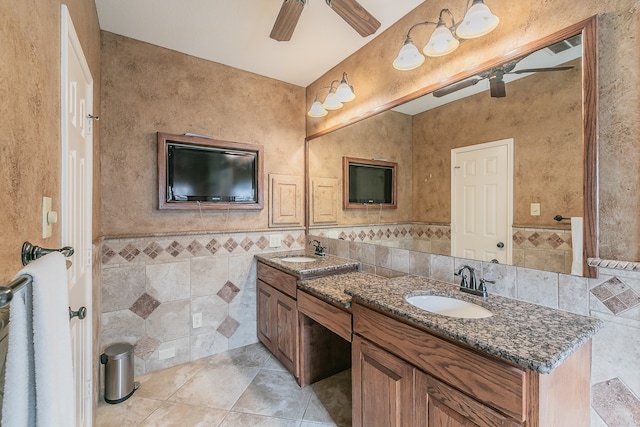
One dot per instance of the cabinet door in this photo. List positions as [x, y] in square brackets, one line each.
[382, 387]
[266, 325]
[286, 345]
[438, 405]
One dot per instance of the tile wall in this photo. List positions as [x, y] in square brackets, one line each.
[539, 248]
[613, 297]
[151, 287]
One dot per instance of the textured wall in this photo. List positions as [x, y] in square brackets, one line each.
[30, 117]
[542, 113]
[385, 136]
[148, 89]
[377, 83]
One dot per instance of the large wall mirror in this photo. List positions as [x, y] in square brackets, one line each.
[538, 101]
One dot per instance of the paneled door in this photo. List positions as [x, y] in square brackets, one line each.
[482, 201]
[76, 127]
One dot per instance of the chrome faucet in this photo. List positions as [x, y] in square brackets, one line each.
[320, 250]
[469, 283]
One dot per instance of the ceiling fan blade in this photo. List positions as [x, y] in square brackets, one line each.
[287, 20]
[355, 15]
[455, 87]
[497, 88]
[535, 70]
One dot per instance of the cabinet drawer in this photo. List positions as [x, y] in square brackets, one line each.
[280, 280]
[329, 316]
[497, 384]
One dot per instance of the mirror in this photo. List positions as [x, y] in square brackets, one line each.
[549, 114]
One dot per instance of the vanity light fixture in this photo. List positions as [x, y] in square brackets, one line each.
[334, 100]
[478, 21]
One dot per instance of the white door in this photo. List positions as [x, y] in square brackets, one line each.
[482, 201]
[77, 104]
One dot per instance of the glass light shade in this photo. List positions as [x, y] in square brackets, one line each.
[317, 110]
[441, 42]
[477, 22]
[344, 93]
[408, 58]
[332, 102]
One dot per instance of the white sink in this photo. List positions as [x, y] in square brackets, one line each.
[447, 306]
[298, 259]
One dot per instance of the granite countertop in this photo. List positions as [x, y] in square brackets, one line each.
[331, 288]
[532, 336]
[322, 265]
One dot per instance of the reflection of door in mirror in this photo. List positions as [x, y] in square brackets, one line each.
[481, 201]
[544, 112]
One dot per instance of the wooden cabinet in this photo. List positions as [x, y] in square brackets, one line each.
[382, 387]
[278, 315]
[400, 369]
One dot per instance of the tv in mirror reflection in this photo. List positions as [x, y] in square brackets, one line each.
[370, 184]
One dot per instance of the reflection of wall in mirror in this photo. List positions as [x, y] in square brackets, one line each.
[542, 112]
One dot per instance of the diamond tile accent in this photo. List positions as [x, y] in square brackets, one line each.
[403, 232]
[153, 250]
[616, 404]
[228, 292]
[246, 244]
[145, 305]
[616, 295]
[387, 233]
[429, 232]
[230, 245]
[371, 234]
[448, 234]
[289, 240]
[213, 246]
[301, 240]
[396, 232]
[342, 236]
[262, 242]
[534, 239]
[194, 248]
[555, 241]
[228, 326]
[519, 238]
[107, 254]
[438, 233]
[129, 252]
[145, 347]
[380, 233]
[362, 235]
[174, 249]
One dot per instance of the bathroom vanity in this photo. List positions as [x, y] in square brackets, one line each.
[525, 365]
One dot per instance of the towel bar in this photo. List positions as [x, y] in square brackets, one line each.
[29, 253]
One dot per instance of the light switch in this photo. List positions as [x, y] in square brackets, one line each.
[535, 209]
[48, 217]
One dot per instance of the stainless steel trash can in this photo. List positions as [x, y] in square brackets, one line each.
[118, 372]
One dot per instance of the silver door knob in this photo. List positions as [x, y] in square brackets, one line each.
[500, 245]
[80, 314]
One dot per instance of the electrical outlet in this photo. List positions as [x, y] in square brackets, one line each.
[46, 224]
[167, 353]
[535, 209]
[275, 241]
[197, 320]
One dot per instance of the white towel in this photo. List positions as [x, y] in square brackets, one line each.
[576, 244]
[52, 362]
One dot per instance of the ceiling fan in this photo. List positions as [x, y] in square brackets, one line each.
[349, 10]
[495, 75]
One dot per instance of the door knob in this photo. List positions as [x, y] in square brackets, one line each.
[80, 314]
[500, 245]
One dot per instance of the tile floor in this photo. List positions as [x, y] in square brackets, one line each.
[242, 387]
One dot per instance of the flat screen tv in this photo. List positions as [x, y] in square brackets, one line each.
[201, 173]
[369, 182]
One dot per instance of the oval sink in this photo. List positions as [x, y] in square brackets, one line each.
[447, 306]
[298, 259]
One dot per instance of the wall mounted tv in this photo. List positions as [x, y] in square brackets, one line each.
[368, 182]
[197, 172]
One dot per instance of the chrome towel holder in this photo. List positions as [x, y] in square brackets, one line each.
[29, 253]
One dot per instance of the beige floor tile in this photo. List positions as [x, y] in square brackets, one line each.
[131, 412]
[331, 401]
[176, 414]
[236, 419]
[162, 384]
[215, 387]
[275, 394]
[251, 356]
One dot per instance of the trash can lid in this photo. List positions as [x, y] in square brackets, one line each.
[118, 350]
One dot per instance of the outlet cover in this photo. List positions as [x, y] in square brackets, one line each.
[46, 225]
[535, 209]
[197, 320]
[275, 241]
[167, 353]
